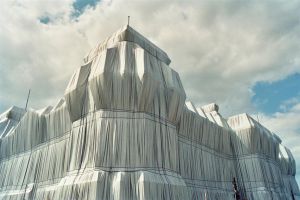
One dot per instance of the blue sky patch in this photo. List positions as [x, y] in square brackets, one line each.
[80, 5]
[45, 20]
[277, 96]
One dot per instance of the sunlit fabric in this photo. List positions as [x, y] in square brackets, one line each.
[124, 130]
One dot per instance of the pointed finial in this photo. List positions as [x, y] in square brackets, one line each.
[128, 20]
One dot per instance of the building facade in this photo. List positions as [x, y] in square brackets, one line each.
[125, 130]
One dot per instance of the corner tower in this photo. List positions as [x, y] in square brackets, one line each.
[126, 72]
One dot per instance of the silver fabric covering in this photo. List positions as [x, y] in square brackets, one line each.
[124, 130]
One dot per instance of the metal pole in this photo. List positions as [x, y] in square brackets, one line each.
[128, 20]
[27, 100]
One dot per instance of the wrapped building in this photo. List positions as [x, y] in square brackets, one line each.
[124, 130]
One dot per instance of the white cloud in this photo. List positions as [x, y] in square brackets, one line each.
[219, 48]
[286, 105]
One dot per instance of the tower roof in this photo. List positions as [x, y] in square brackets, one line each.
[127, 33]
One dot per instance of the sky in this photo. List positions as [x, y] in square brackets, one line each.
[243, 55]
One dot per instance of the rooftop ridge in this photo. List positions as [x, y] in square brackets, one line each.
[127, 33]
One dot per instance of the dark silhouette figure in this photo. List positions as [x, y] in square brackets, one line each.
[235, 190]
